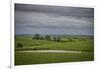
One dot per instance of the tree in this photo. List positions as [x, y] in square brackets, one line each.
[47, 37]
[36, 36]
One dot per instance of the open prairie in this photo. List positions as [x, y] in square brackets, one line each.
[83, 44]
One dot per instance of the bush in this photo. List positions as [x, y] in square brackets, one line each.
[19, 45]
[58, 39]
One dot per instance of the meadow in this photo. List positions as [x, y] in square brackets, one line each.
[85, 44]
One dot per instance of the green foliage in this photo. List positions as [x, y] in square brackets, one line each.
[58, 39]
[36, 36]
[19, 45]
[47, 37]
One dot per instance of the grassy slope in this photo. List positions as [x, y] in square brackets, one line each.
[37, 58]
[38, 44]
[22, 58]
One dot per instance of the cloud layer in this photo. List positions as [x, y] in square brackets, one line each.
[42, 19]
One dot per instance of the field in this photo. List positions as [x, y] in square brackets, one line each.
[84, 44]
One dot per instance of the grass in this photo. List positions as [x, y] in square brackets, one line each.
[22, 58]
[77, 43]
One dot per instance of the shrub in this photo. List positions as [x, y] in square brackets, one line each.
[19, 45]
[58, 39]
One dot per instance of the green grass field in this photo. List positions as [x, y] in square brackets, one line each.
[22, 58]
[85, 44]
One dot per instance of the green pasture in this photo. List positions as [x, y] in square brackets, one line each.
[78, 43]
[23, 58]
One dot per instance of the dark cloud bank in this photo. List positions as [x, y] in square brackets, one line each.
[44, 19]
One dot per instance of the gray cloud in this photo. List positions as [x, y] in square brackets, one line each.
[71, 11]
[49, 19]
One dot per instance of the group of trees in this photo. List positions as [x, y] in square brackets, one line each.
[46, 37]
[58, 39]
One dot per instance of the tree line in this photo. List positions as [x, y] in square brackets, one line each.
[46, 37]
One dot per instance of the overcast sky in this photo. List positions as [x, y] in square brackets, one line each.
[43, 19]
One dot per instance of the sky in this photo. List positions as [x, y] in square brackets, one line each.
[46, 19]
